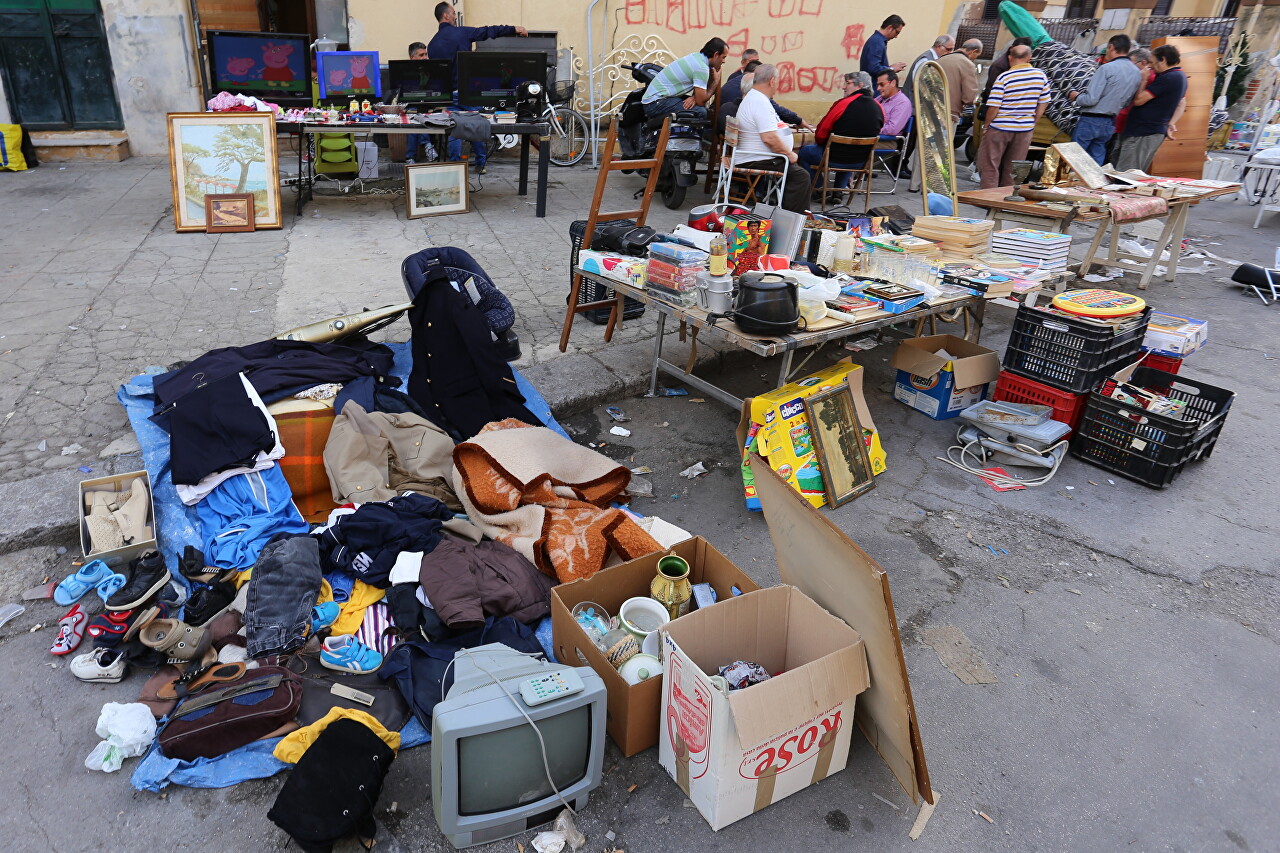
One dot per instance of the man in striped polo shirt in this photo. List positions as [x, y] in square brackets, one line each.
[1017, 101]
[688, 83]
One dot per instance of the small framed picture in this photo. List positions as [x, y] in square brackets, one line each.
[228, 212]
[839, 445]
[436, 189]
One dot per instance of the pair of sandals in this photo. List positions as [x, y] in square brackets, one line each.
[93, 574]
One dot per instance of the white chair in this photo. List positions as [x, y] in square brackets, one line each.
[731, 170]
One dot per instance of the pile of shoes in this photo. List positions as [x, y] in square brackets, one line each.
[115, 519]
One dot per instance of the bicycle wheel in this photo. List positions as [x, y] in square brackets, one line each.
[569, 141]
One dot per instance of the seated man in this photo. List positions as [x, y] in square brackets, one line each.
[894, 102]
[738, 85]
[761, 132]
[855, 114]
[418, 143]
[688, 83]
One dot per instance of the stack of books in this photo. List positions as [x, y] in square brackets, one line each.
[905, 243]
[1044, 249]
[958, 238]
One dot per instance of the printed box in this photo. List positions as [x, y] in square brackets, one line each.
[942, 375]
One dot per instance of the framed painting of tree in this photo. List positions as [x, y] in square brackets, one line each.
[217, 153]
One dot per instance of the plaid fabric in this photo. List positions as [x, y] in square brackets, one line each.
[304, 435]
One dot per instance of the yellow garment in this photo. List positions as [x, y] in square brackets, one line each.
[362, 595]
[293, 745]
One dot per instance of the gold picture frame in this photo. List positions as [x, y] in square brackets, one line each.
[839, 444]
[220, 153]
[436, 189]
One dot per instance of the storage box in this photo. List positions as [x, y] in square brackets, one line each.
[943, 387]
[633, 708]
[735, 752]
[1174, 336]
[117, 483]
[784, 437]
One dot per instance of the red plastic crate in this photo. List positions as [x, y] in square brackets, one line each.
[1067, 407]
[1167, 363]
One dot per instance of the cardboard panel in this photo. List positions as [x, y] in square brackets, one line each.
[830, 568]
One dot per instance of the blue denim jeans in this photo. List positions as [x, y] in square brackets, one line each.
[479, 152]
[663, 106]
[1093, 134]
[414, 144]
[282, 591]
[810, 156]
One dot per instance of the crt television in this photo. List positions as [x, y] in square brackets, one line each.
[488, 780]
[491, 79]
[421, 81]
[273, 66]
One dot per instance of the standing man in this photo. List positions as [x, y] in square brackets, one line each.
[1111, 89]
[761, 132]
[687, 83]
[962, 76]
[1155, 113]
[1017, 101]
[445, 44]
[1000, 64]
[894, 102]
[875, 53]
[942, 45]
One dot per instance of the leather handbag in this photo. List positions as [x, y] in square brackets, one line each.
[352, 691]
[260, 703]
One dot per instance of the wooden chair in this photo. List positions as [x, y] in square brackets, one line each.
[859, 176]
[731, 171]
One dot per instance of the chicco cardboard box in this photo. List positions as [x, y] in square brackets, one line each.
[734, 753]
[943, 375]
[784, 437]
[632, 717]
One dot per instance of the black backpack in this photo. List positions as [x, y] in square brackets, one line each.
[334, 788]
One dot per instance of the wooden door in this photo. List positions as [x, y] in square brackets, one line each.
[56, 66]
[1183, 157]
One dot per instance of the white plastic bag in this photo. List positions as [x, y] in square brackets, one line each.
[127, 731]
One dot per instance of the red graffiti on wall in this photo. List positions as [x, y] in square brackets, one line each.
[811, 7]
[768, 44]
[792, 79]
[792, 41]
[685, 15]
[853, 40]
[723, 12]
[781, 8]
[738, 41]
[636, 11]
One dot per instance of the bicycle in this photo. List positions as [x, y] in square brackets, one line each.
[568, 130]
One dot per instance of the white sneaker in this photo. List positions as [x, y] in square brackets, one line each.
[410, 161]
[100, 665]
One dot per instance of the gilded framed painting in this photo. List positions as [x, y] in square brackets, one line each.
[220, 153]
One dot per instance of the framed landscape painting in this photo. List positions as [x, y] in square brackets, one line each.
[219, 153]
[434, 189]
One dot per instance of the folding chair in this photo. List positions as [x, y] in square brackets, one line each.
[859, 176]
[731, 171]
[899, 150]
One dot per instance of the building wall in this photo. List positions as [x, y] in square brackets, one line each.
[812, 41]
[154, 66]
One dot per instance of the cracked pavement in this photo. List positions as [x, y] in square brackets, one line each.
[1132, 632]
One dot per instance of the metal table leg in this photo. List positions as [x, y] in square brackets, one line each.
[657, 355]
[544, 166]
[785, 370]
[523, 188]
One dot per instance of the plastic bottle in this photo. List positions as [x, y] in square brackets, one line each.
[719, 261]
[365, 106]
[353, 107]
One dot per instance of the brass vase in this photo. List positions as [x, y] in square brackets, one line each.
[671, 587]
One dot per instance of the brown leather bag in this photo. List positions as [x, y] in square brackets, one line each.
[214, 722]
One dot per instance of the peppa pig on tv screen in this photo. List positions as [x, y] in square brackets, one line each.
[348, 74]
[271, 66]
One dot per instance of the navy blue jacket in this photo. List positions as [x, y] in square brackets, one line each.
[366, 542]
[451, 38]
[875, 54]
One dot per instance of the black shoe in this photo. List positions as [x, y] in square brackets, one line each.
[147, 575]
[209, 602]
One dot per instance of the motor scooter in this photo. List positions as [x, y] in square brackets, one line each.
[638, 138]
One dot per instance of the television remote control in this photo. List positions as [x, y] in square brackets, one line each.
[545, 688]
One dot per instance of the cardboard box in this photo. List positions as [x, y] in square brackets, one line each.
[784, 437]
[938, 386]
[1174, 336]
[117, 483]
[632, 718]
[734, 753]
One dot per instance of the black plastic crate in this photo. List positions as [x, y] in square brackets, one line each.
[1068, 354]
[1148, 448]
[592, 291]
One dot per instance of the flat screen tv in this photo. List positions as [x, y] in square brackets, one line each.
[345, 74]
[421, 81]
[490, 79]
[266, 65]
[488, 779]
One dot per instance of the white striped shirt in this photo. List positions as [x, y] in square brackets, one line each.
[1017, 93]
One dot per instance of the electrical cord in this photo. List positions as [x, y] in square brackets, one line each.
[542, 744]
[1000, 479]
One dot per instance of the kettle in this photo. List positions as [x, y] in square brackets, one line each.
[768, 303]
[710, 217]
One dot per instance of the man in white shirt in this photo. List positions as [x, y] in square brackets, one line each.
[760, 131]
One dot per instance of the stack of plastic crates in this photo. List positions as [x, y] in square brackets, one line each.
[1067, 353]
[1149, 448]
[1067, 407]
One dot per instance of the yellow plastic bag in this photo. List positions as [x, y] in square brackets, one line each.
[11, 159]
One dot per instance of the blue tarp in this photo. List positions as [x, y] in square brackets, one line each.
[177, 526]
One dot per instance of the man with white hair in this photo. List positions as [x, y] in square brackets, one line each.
[962, 76]
[942, 45]
[762, 132]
